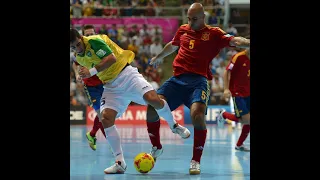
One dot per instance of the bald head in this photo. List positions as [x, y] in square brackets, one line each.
[196, 8]
[196, 16]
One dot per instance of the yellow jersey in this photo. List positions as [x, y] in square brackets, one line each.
[99, 46]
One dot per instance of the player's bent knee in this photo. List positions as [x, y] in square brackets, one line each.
[152, 115]
[198, 117]
[152, 98]
[245, 119]
[162, 97]
[108, 117]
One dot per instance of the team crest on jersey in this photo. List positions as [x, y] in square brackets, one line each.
[205, 36]
[89, 54]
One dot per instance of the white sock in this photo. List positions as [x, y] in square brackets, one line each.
[165, 112]
[114, 141]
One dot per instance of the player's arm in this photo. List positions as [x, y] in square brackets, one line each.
[240, 42]
[168, 49]
[226, 78]
[76, 69]
[226, 40]
[104, 52]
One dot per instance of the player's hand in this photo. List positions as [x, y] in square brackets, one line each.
[155, 61]
[226, 94]
[78, 78]
[84, 72]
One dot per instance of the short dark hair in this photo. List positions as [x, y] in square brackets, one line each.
[88, 26]
[74, 34]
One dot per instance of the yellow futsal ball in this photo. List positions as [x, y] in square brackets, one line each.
[143, 162]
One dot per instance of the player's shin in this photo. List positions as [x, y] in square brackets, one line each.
[96, 126]
[165, 112]
[113, 138]
[153, 124]
[244, 134]
[200, 135]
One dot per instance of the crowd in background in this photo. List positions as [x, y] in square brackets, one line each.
[146, 41]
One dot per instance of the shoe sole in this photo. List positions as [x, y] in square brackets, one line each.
[119, 172]
[187, 136]
[194, 172]
[242, 150]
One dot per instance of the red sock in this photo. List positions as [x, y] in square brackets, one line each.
[198, 143]
[244, 134]
[95, 127]
[154, 133]
[230, 116]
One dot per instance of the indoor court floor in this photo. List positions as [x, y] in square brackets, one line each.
[220, 161]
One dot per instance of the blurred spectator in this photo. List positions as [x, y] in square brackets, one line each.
[98, 8]
[77, 9]
[231, 29]
[133, 31]
[155, 47]
[216, 61]
[133, 47]
[113, 33]
[103, 29]
[144, 30]
[213, 19]
[220, 69]
[150, 11]
[217, 90]
[146, 39]
[153, 83]
[145, 48]
[88, 8]
[153, 73]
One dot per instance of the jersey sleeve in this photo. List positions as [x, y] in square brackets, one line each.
[223, 38]
[100, 48]
[176, 38]
[233, 63]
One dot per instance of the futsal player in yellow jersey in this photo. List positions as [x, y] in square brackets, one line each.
[122, 84]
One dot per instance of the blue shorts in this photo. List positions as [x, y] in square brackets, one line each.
[185, 89]
[241, 105]
[94, 94]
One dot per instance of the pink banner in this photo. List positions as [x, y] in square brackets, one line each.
[169, 26]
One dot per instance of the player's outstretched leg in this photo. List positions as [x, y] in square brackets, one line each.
[91, 136]
[113, 138]
[197, 111]
[223, 115]
[244, 134]
[153, 124]
[162, 108]
[158, 106]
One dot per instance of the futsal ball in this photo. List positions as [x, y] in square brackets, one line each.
[143, 162]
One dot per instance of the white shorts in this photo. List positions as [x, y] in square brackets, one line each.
[128, 86]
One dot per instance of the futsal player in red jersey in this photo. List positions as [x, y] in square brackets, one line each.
[237, 84]
[93, 88]
[199, 44]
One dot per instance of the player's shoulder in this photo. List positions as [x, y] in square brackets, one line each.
[94, 37]
[238, 56]
[184, 27]
[216, 29]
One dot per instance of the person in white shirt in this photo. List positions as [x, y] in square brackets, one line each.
[155, 48]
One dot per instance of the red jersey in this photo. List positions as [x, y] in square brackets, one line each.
[197, 49]
[91, 81]
[240, 75]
